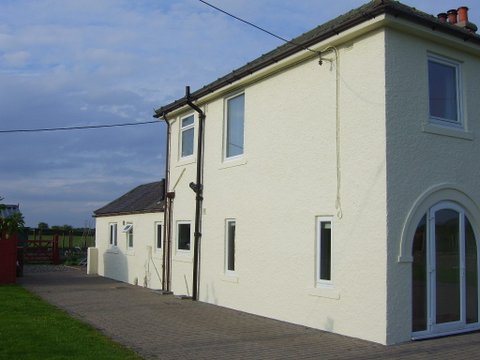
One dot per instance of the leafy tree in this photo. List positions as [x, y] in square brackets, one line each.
[11, 224]
[42, 226]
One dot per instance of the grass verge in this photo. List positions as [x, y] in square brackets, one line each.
[30, 328]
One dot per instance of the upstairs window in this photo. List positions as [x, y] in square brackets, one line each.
[444, 91]
[235, 119]
[187, 132]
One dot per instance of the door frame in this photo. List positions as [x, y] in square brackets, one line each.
[440, 329]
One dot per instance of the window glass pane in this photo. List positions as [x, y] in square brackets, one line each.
[442, 81]
[183, 236]
[235, 125]
[471, 274]
[159, 236]
[447, 260]
[231, 246]
[113, 234]
[187, 142]
[325, 250]
[187, 121]
[419, 277]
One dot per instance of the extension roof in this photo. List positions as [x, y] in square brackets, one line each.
[145, 198]
[330, 29]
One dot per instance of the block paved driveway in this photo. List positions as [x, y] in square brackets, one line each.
[165, 327]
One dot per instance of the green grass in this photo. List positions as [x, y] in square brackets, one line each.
[33, 329]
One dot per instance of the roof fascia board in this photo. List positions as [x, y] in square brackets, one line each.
[337, 40]
[432, 34]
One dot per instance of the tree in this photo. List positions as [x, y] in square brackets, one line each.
[10, 224]
[42, 226]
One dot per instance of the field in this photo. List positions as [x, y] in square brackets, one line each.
[33, 329]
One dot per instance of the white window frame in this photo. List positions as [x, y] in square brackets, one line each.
[113, 235]
[177, 243]
[318, 251]
[456, 65]
[226, 127]
[183, 129]
[158, 233]
[128, 230]
[227, 247]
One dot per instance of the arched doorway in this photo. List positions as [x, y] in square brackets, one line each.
[444, 273]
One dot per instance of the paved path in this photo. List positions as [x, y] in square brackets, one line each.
[165, 327]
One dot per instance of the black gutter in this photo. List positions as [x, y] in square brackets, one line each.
[324, 32]
[198, 189]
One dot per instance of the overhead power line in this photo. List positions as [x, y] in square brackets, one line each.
[70, 128]
[258, 27]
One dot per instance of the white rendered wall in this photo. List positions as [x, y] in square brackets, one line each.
[140, 265]
[418, 160]
[285, 181]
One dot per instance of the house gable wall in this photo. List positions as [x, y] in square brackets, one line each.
[419, 160]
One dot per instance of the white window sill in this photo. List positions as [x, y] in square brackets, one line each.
[236, 161]
[183, 259]
[186, 161]
[455, 132]
[232, 278]
[130, 252]
[324, 291]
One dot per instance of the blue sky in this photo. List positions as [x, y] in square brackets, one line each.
[72, 63]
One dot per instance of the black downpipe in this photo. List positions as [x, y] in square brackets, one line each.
[166, 216]
[198, 189]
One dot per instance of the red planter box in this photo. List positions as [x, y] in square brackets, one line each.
[8, 260]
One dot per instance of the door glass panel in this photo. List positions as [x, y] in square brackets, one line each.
[471, 274]
[419, 278]
[447, 258]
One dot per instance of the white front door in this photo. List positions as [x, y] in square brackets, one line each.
[444, 273]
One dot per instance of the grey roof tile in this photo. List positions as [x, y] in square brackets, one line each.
[143, 199]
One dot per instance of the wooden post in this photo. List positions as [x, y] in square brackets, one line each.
[55, 252]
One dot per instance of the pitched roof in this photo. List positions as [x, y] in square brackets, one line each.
[330, 29]
[143, 199]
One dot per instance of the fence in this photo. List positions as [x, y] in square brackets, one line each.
[42, 251]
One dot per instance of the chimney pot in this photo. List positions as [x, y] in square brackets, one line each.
[452, 16]
[442, 17]
[463, 14]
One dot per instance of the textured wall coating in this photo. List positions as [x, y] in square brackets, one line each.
[284, 182]
[141, 265]
[419, 160]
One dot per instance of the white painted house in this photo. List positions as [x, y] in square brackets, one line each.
[128, 237]
[332, 182]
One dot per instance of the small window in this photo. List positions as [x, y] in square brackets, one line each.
[234, 138]
[128, 229]
[183, 237]
[158, 235]
[113, 234]
[230, 246]
[444, 91]
[187, 133]
[324, 251]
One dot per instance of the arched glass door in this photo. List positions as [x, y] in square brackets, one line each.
[444, 273]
